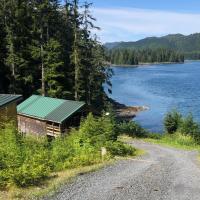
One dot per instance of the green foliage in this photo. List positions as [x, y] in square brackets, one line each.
[187, 45]
[177, 140]
[132, 129]
[172, 121]
[189, 126]
[99, 130]
[48, 47]
[33, 170]
[27, 161]
[74, 151]
[23, 161]
[185, 125]
[155, 136]
[120, 149]
[134, 57]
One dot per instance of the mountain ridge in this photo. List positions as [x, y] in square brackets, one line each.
[187, 44]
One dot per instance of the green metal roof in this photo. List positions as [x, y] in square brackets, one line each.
[8, 98]
[49, 109]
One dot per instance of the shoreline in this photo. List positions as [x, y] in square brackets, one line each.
[146, 64]
[127, 112]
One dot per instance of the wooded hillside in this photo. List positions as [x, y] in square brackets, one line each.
[48, 48]
[133, 57]
[189, 45]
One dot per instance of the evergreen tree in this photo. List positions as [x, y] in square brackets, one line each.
[49, 48]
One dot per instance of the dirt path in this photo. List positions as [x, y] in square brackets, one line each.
[164, 173]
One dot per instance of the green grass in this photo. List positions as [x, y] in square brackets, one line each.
[176, 140]
[51, 185]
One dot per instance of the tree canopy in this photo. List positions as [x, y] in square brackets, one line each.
[133, 57]
[48, 48]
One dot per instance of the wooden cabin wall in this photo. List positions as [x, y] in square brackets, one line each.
[31, 126]
[8, 114]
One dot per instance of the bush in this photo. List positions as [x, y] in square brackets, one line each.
[172, 121]
[196, 134]
[120, 149]
[23, 161]
[74, 150]
[188, 126]
[4, 178]
[27, 161]
[132, 129]
[34, 169]
[98, 130]
[156, 136]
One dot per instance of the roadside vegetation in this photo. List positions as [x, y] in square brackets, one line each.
[28, 161]
[31, 167]
[180, 132]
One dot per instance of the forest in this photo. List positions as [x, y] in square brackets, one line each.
[48, 48]
[186, 44]
[129, 56]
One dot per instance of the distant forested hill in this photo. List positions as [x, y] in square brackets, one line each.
[127, 56]
[189, 45]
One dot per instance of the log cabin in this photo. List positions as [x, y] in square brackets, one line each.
[45, 116]
[8, 108]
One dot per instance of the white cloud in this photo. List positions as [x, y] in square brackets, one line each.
[128, 24]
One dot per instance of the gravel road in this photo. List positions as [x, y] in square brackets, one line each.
[164, 173]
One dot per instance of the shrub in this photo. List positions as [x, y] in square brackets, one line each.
[32, 171]
[120, 149]
[4, 178]
[132, 129]
[74, 150]
[27, 161]
[36, 165]
[23, 161]
[98, 130]
[196, 134]
[172, 121]
[156, 136]
[188, 126]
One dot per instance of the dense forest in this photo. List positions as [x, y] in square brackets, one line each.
[48, 48]
[133, 57]
[188, 45]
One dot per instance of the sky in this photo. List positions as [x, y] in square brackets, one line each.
[131, 20]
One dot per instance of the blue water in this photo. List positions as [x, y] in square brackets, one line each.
[161, 88]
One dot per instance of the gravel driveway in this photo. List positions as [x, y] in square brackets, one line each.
[165, 173]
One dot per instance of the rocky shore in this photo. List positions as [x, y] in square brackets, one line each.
[127, 112]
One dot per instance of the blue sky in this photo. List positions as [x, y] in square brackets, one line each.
[131, 20]
[169, 5]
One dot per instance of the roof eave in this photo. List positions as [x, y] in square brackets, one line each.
[20, 97]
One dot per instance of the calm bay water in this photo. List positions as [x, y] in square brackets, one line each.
[161, 88]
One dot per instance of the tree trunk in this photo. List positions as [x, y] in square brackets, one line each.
[76, 52]
[42, 66]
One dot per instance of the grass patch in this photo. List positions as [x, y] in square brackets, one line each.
[125, 138]
[57, 180]
[177, 140]
[51, 185]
